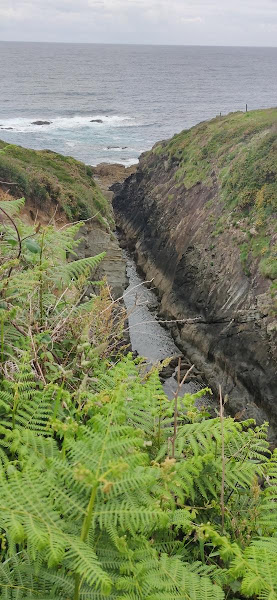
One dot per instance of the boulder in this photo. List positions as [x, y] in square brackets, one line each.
[41, 122]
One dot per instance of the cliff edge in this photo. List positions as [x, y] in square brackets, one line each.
[59, 189]
[200, 213]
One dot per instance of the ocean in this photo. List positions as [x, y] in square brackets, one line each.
[109, 103]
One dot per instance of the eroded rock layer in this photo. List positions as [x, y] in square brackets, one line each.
[199, 213]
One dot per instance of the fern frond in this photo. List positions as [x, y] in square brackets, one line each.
[85, 562]
[167, 578]
[257, 567]
[12, 207]
[77, 268]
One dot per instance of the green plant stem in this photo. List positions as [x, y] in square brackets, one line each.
[84, 534]
[89, 511]
[88, 517]
[63, 447]
[58, 400]
[159, 424]
[221, 414]
[77, 587]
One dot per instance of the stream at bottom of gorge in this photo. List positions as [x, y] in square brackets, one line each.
[149, 338]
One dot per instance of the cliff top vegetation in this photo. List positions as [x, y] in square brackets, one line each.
[236, 155]
[48, 180]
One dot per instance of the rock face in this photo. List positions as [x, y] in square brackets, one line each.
[112, 268]
[108, 175]
[41, 122]
[174, 212]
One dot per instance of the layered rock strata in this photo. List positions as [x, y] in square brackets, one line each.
[223, 315]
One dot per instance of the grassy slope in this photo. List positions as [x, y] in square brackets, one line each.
[239, 153]
[44, 176]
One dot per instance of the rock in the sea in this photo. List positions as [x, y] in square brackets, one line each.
[96, 121]
[41, 122]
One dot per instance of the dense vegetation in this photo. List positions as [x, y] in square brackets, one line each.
[48, 180]
[237, 155]
[108, 489]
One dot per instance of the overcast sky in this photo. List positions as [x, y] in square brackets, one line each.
[204, 22]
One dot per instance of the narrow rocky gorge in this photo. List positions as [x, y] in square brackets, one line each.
[185, 239]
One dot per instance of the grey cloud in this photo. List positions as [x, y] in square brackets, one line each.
[232, 22]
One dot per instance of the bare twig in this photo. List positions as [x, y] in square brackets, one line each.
[179, 386]
[188, 321]
[51, 309]
[18, 238]
[53, 216]
[8, 183]
[125, 294]
[80, 221]
[36, 362]
[18, 328]
[61, 324]
[221, 415]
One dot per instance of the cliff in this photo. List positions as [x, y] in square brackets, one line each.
[61, 189]
[200, 213]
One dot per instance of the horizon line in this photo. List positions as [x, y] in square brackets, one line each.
[134, 44]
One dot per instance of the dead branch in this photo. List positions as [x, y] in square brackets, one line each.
[176, 395]
[18, 238]
[8, 183]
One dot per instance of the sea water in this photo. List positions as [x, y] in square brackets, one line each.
[141, 94]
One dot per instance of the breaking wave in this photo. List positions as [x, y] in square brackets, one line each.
[99, 121]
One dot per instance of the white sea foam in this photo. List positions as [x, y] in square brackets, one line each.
[127, 162]
[22, 125]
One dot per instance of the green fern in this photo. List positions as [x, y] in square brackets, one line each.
[26, 408]
[12, 207]
[101, 497]
[76, 268]
[257, 568]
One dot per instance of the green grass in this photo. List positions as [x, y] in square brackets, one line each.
[45, 177]
[236, 154]
[268, 267]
